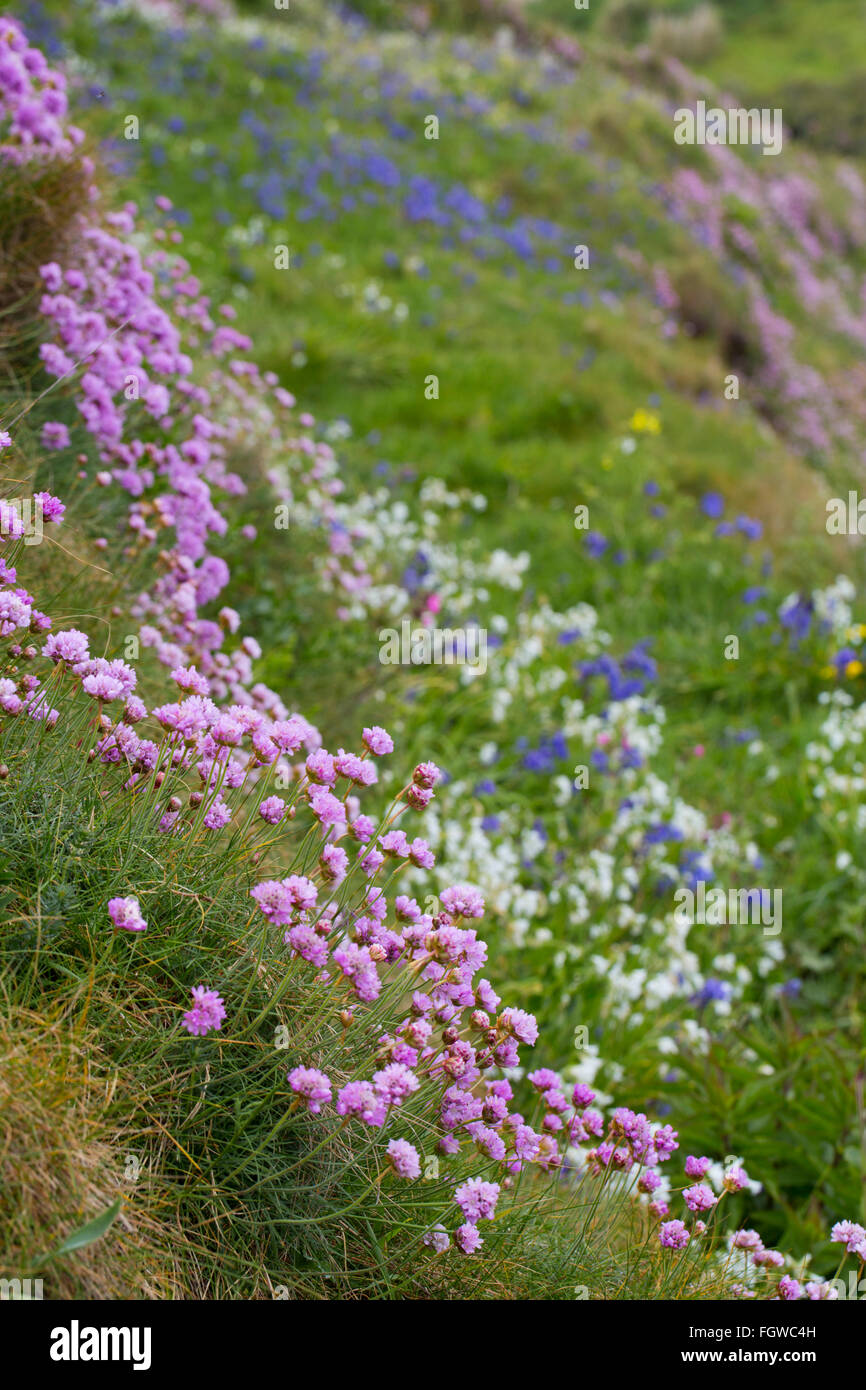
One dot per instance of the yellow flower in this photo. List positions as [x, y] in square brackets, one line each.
[644, 421]
[854, 668]
[827, 672]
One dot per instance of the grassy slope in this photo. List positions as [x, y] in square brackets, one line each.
[535, 429]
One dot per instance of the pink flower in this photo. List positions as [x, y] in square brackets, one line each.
[55, 435]
[360, 1098]
[126, 913]
[789, 1289]
[699, 1198]
[523, 1026]
[326, 807]
[313, 1085]
[207, 1012]
[673, 1235]
[378, 741]
[69, 646]
[747, 1240]
[52, 508]
[218, 815]
[395, 1082]
[697, 1167]
[477, 1199]
[437, 1239]
[404, 1159]
[468, 1238]
[272, 810]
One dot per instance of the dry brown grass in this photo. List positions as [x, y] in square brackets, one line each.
[63, 1150]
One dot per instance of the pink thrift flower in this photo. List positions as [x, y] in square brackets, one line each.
[313, 1085]
[477, 1199]
[55, 435]
[404, 1159]
[697, 1167]
[437, 1239]
[378, 741]
[699, 1198]
[207, 1012]
[673, 1235]
[126, 913]
[468, 1238]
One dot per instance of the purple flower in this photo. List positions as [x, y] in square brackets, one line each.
[468, 1238]
[850, 1234]
[477, 1199]
[713, 505]
[673, 1235]
[272, 810]
[404, 1159]
[313, 1085]
[699, 1197]
[126, 913]
[378, 741]
[697, 1167]
[395, 1082]
[55, 435]
[69, 646]
[207, 1012]
[437, 1239]
[361, 1099]
[789, 1289]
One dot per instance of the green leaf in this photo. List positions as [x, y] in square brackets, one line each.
[86, 1235]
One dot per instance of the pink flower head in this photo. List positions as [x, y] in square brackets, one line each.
[463, 902]
[52, 508]
[207, 1012]
[404, 1159]
[673, 1235]
[468, 1238]
[395, 1082]
[665, 1141]
[361, 1098]
[697, 1167]
[55, 435]
[272, 809]
[378, 741]
[477, 1199]
[437, 1239]
[789, 1289]
[699, 1198]
[189, 680]
[426, 775]
[69, 646]
[582, 1096]
[747, 1240]
[326, 807]
[126, 913]
[421, 854]
[218, 814]
[735, 1180]
[850, 1234]
[313, 1085]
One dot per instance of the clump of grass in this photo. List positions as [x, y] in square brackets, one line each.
[40, 208]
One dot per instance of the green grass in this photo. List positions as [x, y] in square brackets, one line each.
[535, 397]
